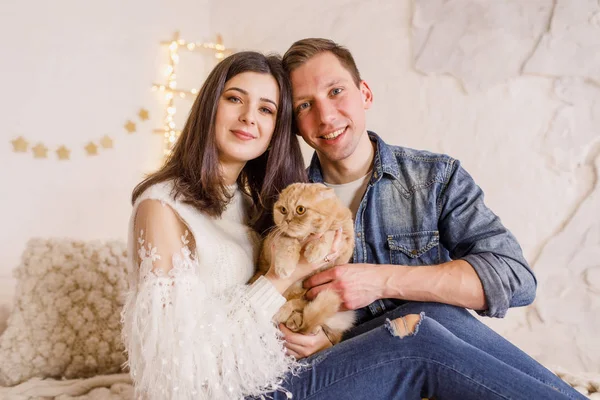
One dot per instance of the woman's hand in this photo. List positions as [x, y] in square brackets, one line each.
[304, 268]
[301, 346]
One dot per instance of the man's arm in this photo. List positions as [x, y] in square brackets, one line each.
[473, 233]
[454, 282]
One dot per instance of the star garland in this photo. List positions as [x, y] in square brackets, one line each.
[169, 129]
[63, 153]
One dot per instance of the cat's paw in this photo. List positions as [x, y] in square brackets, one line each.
[295, 321]
[316, 250]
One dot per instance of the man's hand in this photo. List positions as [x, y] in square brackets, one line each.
[357, 284]
[301, 346]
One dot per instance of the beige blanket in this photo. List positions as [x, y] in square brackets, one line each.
[105, 387]
[118, 387]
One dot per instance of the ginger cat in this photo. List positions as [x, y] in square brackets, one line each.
[301, 210]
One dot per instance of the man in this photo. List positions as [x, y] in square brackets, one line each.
[425, 243]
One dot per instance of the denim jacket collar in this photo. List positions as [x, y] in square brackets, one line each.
[384, 162]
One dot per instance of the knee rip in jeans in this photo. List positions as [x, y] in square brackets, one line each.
[405, 326]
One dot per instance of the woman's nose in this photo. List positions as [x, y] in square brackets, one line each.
[247, 117]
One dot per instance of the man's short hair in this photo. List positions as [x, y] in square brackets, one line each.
[303, 50]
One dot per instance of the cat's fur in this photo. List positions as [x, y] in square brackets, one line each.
[301, 210]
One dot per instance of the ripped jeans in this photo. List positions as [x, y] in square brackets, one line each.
[448, 354]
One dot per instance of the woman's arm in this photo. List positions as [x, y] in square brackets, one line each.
[184, 341]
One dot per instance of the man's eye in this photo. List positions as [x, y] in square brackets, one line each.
[302, 107]
[336, 91]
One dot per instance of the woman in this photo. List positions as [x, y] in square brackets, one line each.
[191, 327]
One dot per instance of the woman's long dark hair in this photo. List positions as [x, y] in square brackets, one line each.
[194, 163]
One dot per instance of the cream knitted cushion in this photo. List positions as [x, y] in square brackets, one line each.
[65, 321]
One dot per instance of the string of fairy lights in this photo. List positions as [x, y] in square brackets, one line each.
[169, 89]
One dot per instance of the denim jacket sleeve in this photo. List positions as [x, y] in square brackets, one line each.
[472, 232]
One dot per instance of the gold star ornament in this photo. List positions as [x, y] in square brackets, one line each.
[20, 145]
[143, 114]
[63, 153]
[130, 127]
[40, 151]
[91, 149]
[106, 142]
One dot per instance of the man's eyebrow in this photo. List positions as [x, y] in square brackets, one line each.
[326, 85]
[332, 82]
[246, 93]
[299, 98]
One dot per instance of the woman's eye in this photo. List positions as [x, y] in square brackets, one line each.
[266, 110]
[283, 210]
[300, 210]
[234, 99]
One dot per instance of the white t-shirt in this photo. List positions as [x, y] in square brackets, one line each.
[351, 193]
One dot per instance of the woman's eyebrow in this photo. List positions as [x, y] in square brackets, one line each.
[246, 93]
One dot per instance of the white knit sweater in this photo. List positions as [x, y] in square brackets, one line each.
[192, 328]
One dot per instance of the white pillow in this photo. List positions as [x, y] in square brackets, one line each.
[65, 321]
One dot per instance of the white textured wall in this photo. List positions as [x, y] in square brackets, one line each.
[511, 89]
[73, 72]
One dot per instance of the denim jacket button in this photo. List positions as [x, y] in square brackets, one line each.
[414, 252]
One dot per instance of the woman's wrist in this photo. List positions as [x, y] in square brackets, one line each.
[281, 284]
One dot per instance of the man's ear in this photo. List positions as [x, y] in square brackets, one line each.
[367, 94]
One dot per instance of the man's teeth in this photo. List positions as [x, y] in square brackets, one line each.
[333, 135]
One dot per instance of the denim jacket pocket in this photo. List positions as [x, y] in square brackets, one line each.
[414, 248]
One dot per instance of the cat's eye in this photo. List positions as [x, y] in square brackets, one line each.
[300, 210]
[283, 210]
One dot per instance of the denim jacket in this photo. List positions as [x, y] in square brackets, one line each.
[422, 208]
